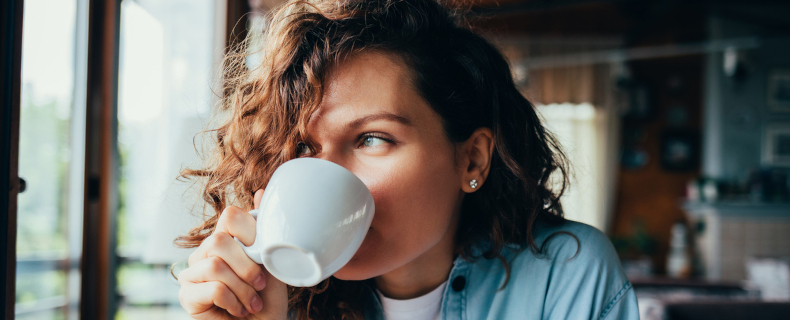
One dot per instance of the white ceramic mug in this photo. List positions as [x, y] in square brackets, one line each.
[313, 217]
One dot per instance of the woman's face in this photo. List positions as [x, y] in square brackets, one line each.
[373, 122]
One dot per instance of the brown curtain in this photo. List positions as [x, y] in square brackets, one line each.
[578, 84]
[572, 83]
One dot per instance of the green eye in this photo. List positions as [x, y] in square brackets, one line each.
[372, 141]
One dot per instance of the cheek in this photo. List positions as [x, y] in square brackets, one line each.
[415, 200]
[414, 194]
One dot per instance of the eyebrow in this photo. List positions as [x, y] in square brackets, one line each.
[379, 116]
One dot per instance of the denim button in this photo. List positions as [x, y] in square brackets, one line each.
[459, 283]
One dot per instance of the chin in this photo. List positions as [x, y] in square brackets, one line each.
[351, 273]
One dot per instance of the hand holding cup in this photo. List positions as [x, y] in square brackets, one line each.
[222, 282]
[311, 220]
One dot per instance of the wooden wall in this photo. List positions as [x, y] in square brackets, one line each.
[652, 195]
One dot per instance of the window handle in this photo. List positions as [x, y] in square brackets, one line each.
[22, 185]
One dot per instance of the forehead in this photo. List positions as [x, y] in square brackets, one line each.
[368, 83]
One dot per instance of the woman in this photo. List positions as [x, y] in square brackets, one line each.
[468, 223]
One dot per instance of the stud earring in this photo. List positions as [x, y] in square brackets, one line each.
[473, 183]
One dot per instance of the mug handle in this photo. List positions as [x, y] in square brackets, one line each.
[253, 251]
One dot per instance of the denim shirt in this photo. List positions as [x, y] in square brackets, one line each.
[566, 281]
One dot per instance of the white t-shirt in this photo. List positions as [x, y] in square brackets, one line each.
[425, 307]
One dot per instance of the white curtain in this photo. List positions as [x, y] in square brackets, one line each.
[588, 135]
[165, 98]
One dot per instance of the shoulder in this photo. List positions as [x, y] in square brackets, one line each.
[576, 275]
[568, 245]
[583, 274]
[568, 252]
[572, 240]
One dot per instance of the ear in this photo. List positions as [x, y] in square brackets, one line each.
[475, 158]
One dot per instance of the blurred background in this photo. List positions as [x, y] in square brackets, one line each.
[675, 115]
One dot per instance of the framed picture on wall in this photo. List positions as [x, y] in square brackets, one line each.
[777, 145]
[779, 90]
[680, 150]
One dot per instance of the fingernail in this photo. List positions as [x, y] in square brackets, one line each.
[256, 304]
[244, 312]
[260, 282]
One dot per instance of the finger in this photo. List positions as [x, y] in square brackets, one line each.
[256, 200]
[222, 245]
[214, 269]
[238, 223]
[200, 299]
[275, 299]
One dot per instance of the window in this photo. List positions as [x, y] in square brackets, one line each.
[51, 159]
[164, 99]
[167, 54]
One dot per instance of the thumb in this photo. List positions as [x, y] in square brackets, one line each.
[275, 295]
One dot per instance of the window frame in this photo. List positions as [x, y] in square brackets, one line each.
[10, 71]
[100, 201]
[98, 261]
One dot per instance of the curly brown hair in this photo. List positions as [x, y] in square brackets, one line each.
[464, 78]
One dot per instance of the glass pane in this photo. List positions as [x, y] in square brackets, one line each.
[47, 87]
[36, 286]
[54, 314]
[165, 98]
[51, 159]
[142, 282]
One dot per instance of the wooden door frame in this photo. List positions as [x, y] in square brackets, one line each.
[10, 71]
[98, 297]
